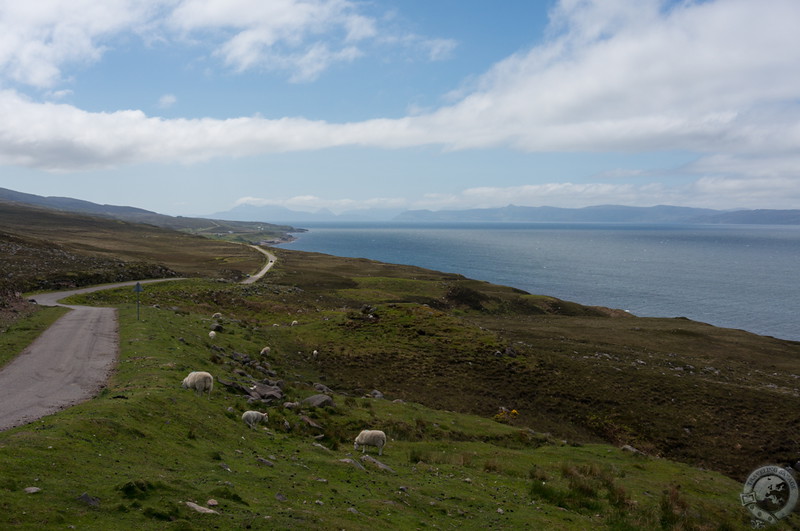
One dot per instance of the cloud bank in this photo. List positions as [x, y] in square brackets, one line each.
[717, 78]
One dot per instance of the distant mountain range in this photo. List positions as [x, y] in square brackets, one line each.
[511, 213]
[283, 216]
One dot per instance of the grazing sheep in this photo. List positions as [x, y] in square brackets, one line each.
[253, 418]
[295, 323]
[212, 334]
[374, 438]
[265, 351]
[199, 381]
[217, 316]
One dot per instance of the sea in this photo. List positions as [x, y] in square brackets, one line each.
[733, 276]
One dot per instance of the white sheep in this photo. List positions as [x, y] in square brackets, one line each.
[217, 316]
[199, 381]
[212, 334]
[253, 418]
[295, 323]
[374, 438]
[265, 351]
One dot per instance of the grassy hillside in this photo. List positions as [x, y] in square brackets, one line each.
[48, 249]
[134, 456]
[705, 405]
[239, 231]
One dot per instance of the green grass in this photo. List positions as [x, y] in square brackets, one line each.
[145, 446]
[708, 405]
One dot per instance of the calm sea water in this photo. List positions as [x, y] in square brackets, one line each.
[733, 276]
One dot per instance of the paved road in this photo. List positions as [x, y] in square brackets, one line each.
[71, 361]
[68, 364]
[270, 262]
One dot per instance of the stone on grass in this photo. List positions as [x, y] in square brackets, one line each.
[200, 508]
[320, 400]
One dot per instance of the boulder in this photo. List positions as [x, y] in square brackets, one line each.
[318, 401]
[322, 388]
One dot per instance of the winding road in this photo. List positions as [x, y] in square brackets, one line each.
[71, 361]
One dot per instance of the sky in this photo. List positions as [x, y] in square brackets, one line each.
[192, 107]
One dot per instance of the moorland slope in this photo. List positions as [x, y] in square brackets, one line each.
[583, 381]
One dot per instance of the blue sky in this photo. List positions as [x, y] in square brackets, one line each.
[190, 107]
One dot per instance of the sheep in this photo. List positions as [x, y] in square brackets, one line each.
[374, 438]
[253, 418]
[199, 381]
[295, 323]
[212, 334]
[265, 351]
[217, 316]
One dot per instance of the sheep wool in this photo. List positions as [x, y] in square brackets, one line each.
[374, 438]
[253, 418]
[199, 381]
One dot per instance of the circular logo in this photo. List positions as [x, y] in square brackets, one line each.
[770, 493]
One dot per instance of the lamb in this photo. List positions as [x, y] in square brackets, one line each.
[212, 334]
[374, 438]
[253, 418]
[199, 381]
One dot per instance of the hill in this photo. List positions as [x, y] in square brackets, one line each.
[240, 231]
[704, 405]
[44, 248]
[604, 214]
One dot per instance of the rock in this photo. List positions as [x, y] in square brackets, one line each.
[89, 500]
[322, 388]
[236, 387]
[280, 497]
[212, 502]
[375, 394]
[631, 449]
[200, 508]
[264, 462]
[266, 392]
[32, 490]
[373, 461]
[318, 401]
[352, 462]
[291, 405]
[318, 445]
[310, 422]
[352, 510]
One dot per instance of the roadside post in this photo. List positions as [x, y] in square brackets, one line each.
[138, 289]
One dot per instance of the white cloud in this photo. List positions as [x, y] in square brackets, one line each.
[37, 39]
[166, 101]
[312, 203]
[303, 37]
[718, 78]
